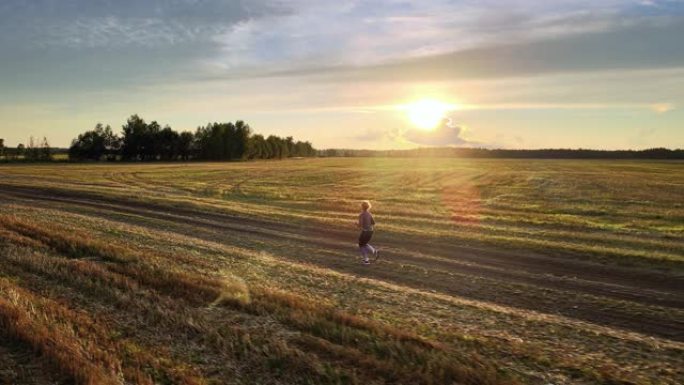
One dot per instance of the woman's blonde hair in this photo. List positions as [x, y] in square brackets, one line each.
[366, 205]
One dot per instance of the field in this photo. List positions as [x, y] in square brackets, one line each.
[492, 272]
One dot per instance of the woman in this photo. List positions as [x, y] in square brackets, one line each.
[366, 224]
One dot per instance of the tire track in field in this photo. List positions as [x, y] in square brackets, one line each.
[551, 265]
[530, 281]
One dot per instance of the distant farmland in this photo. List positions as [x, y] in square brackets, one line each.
[493, 272]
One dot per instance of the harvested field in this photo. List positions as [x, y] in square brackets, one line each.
[492, 272]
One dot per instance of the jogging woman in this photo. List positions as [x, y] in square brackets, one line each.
[366, 224]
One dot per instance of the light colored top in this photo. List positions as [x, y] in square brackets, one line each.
[366, 221]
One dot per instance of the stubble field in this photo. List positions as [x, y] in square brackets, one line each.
[492, 272]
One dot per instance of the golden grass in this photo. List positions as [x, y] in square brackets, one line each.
[75, 344]
[407, 357]
[143, 270]
[105, 295]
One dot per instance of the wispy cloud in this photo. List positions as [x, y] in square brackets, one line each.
[362, 33]
[420, 39]
[114, 32]
[107, 24]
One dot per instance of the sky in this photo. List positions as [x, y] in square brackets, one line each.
[603, 74]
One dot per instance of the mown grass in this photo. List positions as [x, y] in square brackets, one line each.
[138, 274]
[623, 210]
[47, 326]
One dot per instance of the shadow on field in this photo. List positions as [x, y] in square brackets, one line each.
[602, 294]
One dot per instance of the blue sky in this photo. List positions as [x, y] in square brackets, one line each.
[525, 74]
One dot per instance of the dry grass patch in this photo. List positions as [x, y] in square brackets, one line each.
[77, 345]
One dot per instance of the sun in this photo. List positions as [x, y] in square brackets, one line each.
[427, 114]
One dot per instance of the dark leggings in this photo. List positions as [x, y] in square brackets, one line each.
[365, 237]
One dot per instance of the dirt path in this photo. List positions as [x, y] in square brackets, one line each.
[646, 301]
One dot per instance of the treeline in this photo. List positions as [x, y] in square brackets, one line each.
[142, 141]
[450, 152]
[34, 151]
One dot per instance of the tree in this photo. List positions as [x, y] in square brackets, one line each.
[89, 145]
[45, 151]
[185, 145]
[167, 143]
[151, 148]
[32, 152]
[112, 143]
[202, 140]
[241, 138]
[141, 140]
[274, 148]
[132, 142]
[95, 144]
[215, 141]
[304, 149]
[257, 148]
[229, 141]
[223, 141]
[290, 145]
[2, 147]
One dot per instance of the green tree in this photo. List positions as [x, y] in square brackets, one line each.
[256, 147]
[21, 150]
[112, 142]
[290, 145]
[215, 141]
[151, 143]
[132, 142]
[168, 143]
[45, 151]
[241, 140]
[185, 145]
[228, 138]
[95, 144]
[273, 147]
[32, 152]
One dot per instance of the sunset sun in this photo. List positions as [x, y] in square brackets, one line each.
[426, 114]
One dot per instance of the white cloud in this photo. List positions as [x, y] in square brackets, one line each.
[111, 31]
[361, 33]
[446, 134]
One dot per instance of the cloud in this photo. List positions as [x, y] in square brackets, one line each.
[372, 135]
[662, 108]
[446, 134]
[652, 45]
[443, 38]
[106, 24]
[348, 39]
[111, 32]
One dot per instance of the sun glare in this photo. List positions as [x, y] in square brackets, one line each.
[427, 114]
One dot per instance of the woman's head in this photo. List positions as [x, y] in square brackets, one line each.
[365, 205]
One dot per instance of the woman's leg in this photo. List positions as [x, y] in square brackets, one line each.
[364, 247]
[364, 252]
